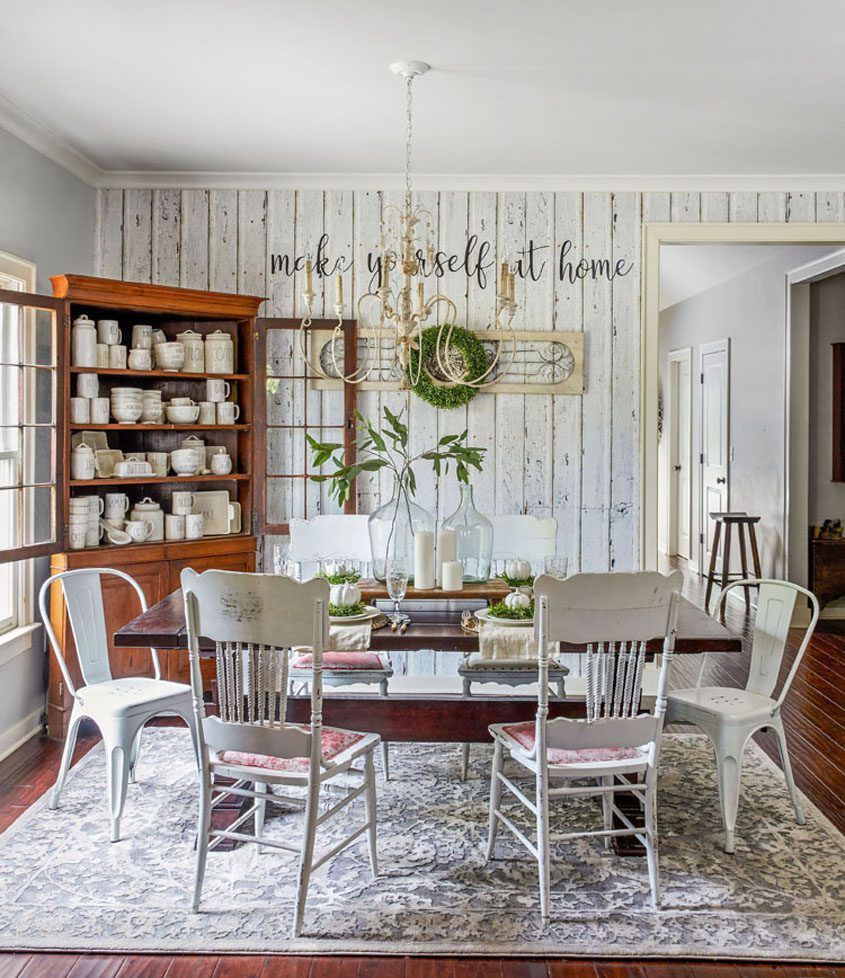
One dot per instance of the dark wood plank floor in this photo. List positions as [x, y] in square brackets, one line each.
[815, 721]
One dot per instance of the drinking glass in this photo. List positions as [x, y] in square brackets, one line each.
[557, 566]
[396, 579]
[282, 564]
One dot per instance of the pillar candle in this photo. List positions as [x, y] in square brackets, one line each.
[447, 549]
[453, 575]
[308, 279]
[423, 560]
[338, 294]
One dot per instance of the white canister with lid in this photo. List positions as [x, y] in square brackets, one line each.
[83, 462]
[194, 351]
[83, 342]
[149, 510]
[219, 353]
[198, 445]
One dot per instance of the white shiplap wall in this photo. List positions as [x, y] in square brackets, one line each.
[574, 457]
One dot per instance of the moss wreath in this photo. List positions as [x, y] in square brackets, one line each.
[465, 344]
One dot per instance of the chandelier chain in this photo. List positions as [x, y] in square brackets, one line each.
[409, 121]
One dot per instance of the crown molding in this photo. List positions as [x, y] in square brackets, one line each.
[496, 182]
[35, 134]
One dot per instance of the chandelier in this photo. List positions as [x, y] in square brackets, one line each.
[402, 311]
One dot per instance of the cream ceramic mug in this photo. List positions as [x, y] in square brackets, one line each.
[216, 389]
[174, 527]
[139, 530]
[193, 526]
[182, 503]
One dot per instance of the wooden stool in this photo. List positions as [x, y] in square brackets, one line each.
[740, 520]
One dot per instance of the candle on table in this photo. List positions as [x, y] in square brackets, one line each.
[424, 560]
[447, 549]
[453, 575]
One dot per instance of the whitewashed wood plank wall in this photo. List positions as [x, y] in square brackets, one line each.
[577, 458]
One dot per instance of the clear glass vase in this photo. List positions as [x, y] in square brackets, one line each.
[392, 528]
[474, 537]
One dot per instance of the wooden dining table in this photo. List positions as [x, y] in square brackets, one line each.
[439, 716]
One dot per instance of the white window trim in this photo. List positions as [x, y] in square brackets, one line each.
[19, 275]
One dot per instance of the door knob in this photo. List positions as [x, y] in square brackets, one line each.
[721, 481]
[678, 468]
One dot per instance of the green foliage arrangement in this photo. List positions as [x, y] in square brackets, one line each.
[346, 610]
[501, 610]
[388, 449]
[468, 345]
[347, 577]
[514, 583]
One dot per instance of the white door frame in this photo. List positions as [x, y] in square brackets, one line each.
[676, 357]
[653, 236]
[703, 525]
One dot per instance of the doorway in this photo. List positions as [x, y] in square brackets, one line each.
[679, 476]
[714, 387]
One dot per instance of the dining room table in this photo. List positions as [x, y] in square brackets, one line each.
[439, 715]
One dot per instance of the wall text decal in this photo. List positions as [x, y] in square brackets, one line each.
[531, 262]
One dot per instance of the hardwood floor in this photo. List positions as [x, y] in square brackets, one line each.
[814, 714]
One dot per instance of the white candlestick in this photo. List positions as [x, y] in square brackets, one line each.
[447, 549]
[453, 575]
[424, 560]
[338, 296]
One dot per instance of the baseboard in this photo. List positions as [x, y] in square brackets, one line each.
[18, 734]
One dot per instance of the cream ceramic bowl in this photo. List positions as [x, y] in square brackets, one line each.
[185, 461]
[126, 413]
[182, 414]
[169, 356]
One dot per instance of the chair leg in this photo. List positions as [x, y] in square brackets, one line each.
[261, 811]
[203, 828]
[711, 573]
[787, 772]
[385, 760]
[606, 802]
[370, 808]
[464, 761]
[134, 754]
[309, 831]
[543, 855]
[743, 563]
[728, 763]
[67, 756]
[118, 749]
[726, 567]
[651, 844]
[495, 800]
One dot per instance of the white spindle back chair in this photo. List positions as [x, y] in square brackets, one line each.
[338, 537]
[252, 621]
[119, 707]
[730, 716]
[614, 616]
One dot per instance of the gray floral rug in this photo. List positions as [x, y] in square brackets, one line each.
[63, 885]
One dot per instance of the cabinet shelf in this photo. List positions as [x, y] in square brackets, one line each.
[145, 480]
[84, 426]
[159, 374]
[136, 548]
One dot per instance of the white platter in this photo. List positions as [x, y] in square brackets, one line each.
[215, 507]
[368, 612]
[483, 614]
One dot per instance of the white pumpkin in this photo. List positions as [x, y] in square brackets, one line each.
[344, 595]
[516, 599]
[518, 570]
[331, 568]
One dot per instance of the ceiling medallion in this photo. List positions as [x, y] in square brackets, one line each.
[403, 310]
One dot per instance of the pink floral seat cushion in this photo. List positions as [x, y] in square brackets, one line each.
[335, 742]
[342, 661]
[524, 735]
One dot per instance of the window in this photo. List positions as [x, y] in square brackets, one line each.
[28, 432]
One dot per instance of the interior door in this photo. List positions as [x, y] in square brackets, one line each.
[715, 424]
[680, 420]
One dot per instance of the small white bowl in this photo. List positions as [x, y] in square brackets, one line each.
[185, 461]
[126, 414]
[182, 414]
[169, 356]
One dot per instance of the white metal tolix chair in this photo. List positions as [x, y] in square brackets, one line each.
[252, 621]
[532, 539]
[340, 537]
[614, 615]
[119, 707]
[731, 716]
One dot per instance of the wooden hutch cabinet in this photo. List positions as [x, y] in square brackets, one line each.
[155, 565]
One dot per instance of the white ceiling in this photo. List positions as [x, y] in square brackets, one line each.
[687, 270]
[652, 87]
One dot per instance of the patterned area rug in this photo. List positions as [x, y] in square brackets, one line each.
[63, 885]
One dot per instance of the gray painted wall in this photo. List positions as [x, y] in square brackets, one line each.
[750, 310]
[47, 216]
[827, 325]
